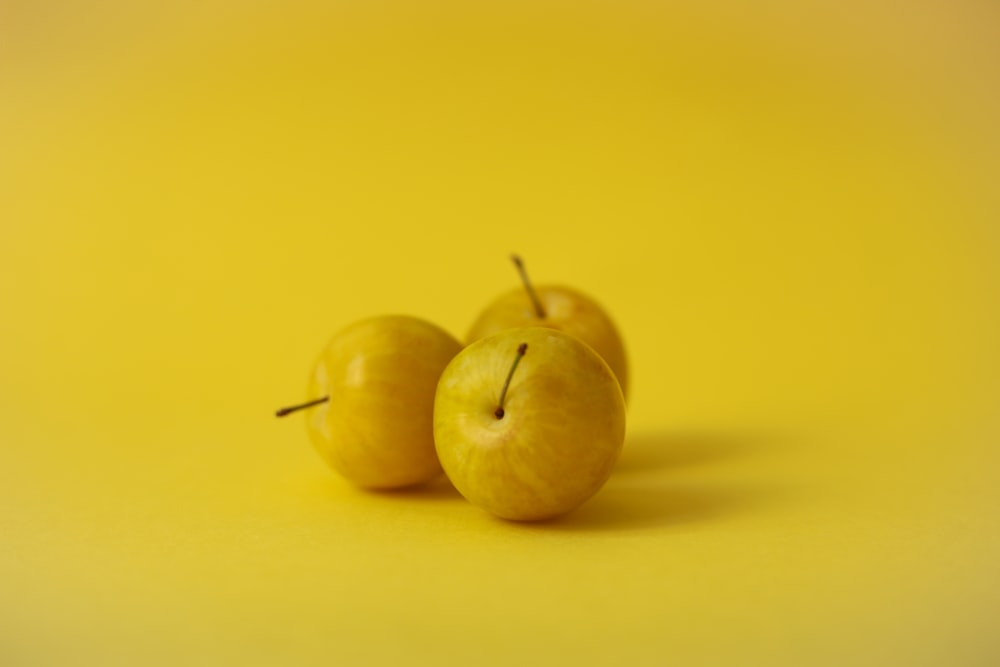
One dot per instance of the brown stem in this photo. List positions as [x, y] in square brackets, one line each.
[519, 263]
[521, 349]
[283, 412]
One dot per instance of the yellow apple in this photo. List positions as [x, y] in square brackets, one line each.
[541, 442]
[372, 416]
[555, 307]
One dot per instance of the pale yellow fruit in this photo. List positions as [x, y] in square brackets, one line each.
[380, 374]
[560, 433]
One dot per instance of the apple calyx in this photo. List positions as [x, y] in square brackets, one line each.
[521, 349]
[284, 412]
[519, 263]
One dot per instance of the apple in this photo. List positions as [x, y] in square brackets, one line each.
[555, 307]
[540, 442]
[372, 416]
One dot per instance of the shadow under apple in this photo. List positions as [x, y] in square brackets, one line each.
[438, 489]
[642, 494]
[646, 451]
[651, 505]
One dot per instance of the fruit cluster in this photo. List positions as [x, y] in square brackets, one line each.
[527, 421]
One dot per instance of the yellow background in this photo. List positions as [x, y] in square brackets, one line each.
[790, 209]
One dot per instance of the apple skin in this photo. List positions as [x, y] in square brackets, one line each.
[566, 310]
[380, 374]
[560, 435]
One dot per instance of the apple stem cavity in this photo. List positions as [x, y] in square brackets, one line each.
[284, 412]
[521, 349]
[519, 263]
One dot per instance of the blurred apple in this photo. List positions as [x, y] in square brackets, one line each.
[541, 442]
[374, 384]
[555, 307]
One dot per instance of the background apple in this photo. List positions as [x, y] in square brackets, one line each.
[555, 307]
[373, 388]
[538, 444]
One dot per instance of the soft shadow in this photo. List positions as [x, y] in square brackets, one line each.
[654, 485]
[437, 489]
[655, 504]
[645, 451]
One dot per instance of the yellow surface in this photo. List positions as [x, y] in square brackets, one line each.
[791, 211]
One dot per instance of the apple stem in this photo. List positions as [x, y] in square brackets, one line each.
[283, 412]
[521, 349]
[519, 263]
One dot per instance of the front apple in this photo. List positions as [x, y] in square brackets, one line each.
[534, 440]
